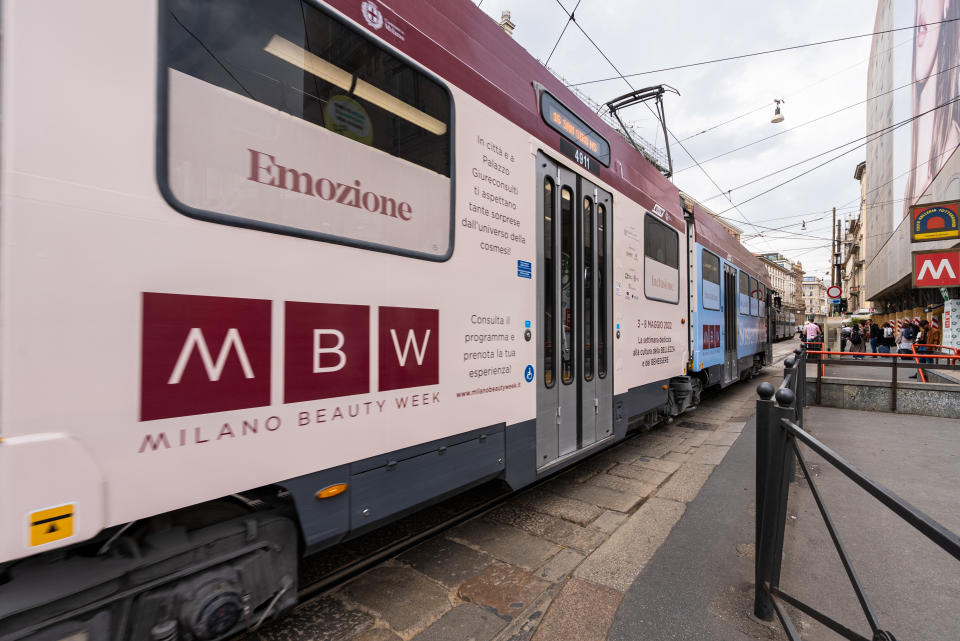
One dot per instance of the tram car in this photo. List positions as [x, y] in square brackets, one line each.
[785, 324]
[331, 260]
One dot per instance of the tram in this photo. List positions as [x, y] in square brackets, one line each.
[278, 273]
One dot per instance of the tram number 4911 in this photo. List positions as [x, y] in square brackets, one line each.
[582, 158]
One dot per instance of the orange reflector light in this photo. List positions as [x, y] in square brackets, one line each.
[666, 387]
[332, 490]
[683, 320]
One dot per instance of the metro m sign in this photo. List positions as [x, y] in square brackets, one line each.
[938, 268]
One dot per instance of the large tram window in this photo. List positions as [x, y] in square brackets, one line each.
[282, 94]
[710, 283]
[588, 289]
[601, 290]
[566, 285]
[661, 265]
[745, 293]
[549, 283]
[754, 300]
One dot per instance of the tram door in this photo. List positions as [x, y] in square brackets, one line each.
[574, 242]
[730, 307]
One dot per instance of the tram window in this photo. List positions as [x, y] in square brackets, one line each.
[661, 266]
[601, 290]
[754, 301]
[549, 283]
[763, 300]
[710, 283]
[566, 285]
[588, 289]
[744, 294]
[335, 109]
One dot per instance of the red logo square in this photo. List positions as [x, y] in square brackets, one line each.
[326, 351]
[409, 341]
[202, 354]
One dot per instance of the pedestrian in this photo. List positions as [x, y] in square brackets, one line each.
[876, 332]
[811, 330]
[887, 339]
[908, 335]
[923, 339]
[844, 337]
[856, 341]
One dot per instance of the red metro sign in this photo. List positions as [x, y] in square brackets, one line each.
[938, 268]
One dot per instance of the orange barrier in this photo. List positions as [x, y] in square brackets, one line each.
[929, 354]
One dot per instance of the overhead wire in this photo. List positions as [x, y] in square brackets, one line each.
[762, 53]
[876, 134]
[766, 105]
[629, 84]
[803, 124]
[563, 31]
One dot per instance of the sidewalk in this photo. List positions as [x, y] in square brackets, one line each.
[913, 585]
[699, 584]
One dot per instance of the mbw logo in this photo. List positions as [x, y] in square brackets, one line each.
[202, 354]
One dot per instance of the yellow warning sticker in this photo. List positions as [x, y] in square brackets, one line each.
[51, 524]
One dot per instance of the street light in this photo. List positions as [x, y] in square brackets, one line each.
[777, 116]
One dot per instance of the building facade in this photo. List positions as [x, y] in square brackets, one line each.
[815, 299]
[787, 279]
[908, 165]
[853, 270]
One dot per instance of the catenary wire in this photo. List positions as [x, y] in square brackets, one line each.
[766, 105]
[563, 31]
[876, 134]
[804, 124]
[629, 84]
[761, 53]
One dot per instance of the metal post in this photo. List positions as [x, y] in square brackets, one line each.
[801, 390]
[893, 385]
[772, 494]
[819, 376]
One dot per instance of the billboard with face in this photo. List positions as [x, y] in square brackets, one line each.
[927, 62]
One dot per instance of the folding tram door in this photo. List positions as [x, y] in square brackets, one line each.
[730, 310]
[574, 309]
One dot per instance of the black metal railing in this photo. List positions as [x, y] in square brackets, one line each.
[779, 430]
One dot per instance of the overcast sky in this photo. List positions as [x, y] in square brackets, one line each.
[640, 36]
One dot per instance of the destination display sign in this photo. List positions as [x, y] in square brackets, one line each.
[934, 221]
[574, 129]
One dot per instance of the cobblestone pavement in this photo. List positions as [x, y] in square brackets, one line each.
[551, 563]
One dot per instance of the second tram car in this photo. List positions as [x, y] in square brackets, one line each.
[338, 259]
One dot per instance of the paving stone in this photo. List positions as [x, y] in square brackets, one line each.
[592, 466]
[581, 612]
[403, 597]
[698, 439]
[560, 566]
[324, 618]
[505, 543]
[642, 474]
[565, 508]
[674, 456]
[377, 634]
[446, 561]
[599, 496]
[722, 438]
[467, 622]
[620, 559]
[609, 521]
[504, 588]
[684, 485]
[549, 527]
[524, 626]
[710, 454]
[731, 427]
[652, 450]
[624, 484]
[660, 465]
